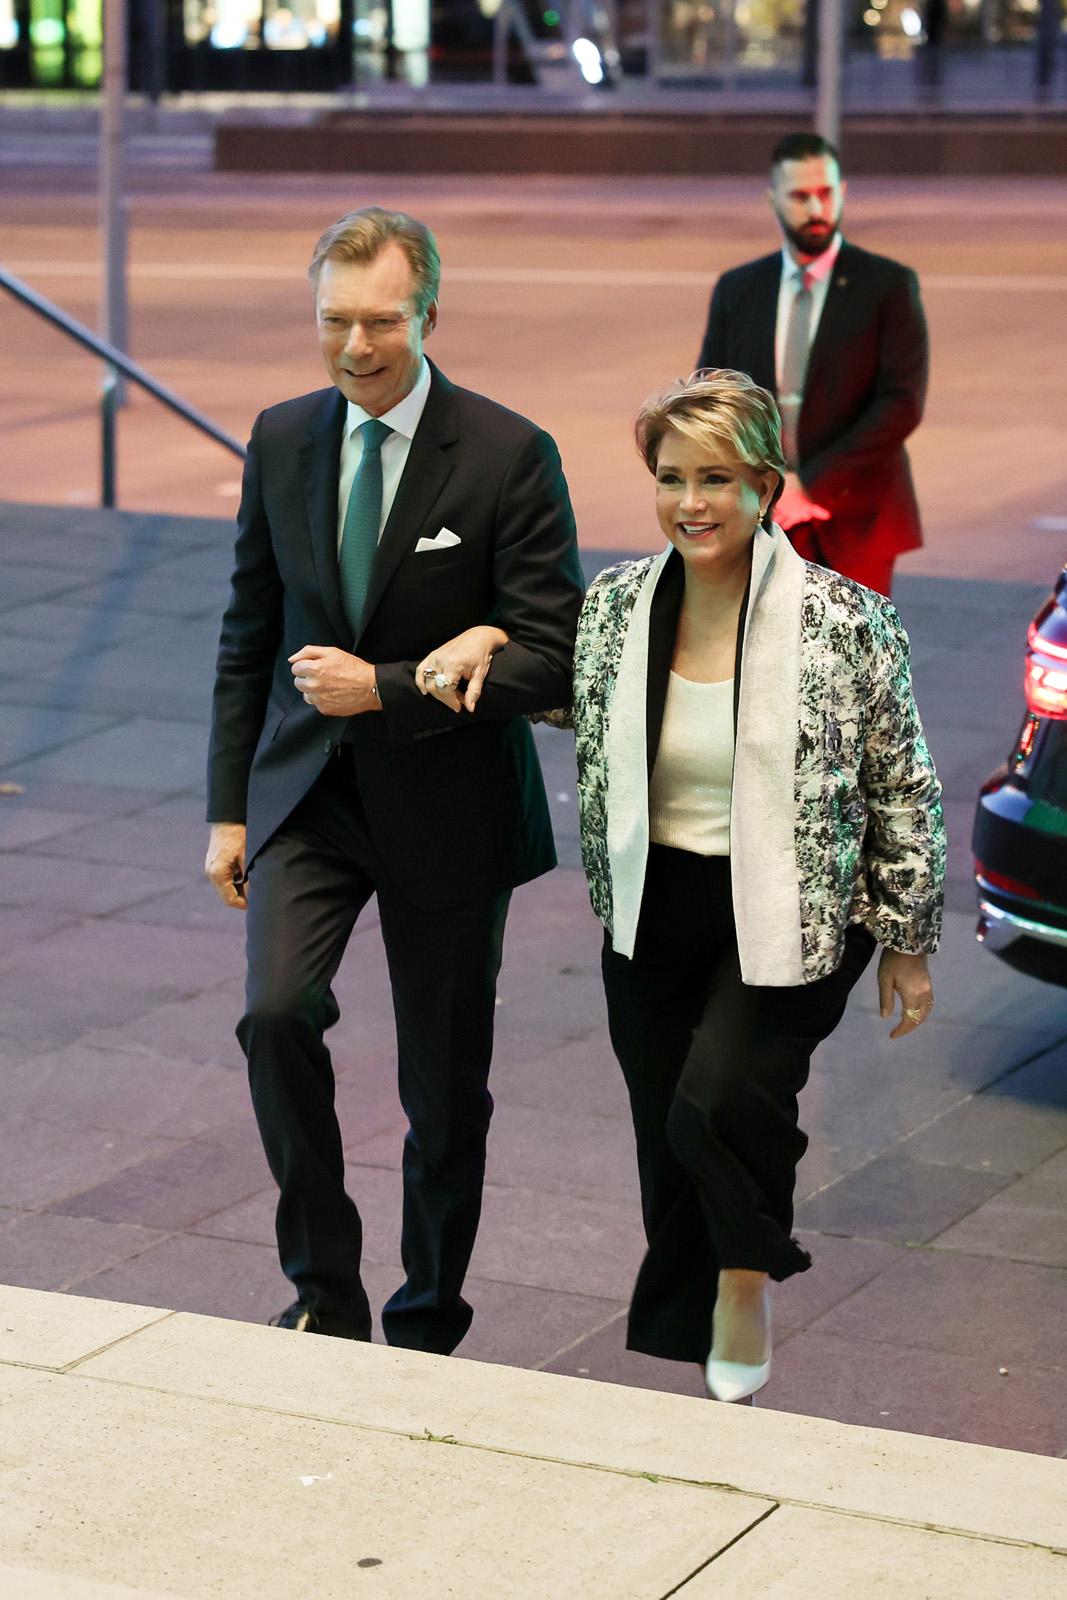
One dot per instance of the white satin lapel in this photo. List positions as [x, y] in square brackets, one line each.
[626, 751]
[766, 889]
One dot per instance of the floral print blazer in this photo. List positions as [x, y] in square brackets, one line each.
[835, 809]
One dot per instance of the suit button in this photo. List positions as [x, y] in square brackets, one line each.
[328, 746]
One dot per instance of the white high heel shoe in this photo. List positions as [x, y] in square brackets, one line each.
[733, 1380]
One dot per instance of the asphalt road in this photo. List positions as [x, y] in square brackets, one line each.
[568, 299]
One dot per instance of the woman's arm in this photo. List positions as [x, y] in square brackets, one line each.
[904, 847]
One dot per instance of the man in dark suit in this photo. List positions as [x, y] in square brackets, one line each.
[379, 520]
[838, 335]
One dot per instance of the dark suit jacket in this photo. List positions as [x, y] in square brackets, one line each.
[863, 395]
[455, 803]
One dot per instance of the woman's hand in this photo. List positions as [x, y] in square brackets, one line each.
[906, 976]
[467, 657]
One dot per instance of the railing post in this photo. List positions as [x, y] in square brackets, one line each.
[831, 26]
[1047, 45]
[112, 198]
[108, 431]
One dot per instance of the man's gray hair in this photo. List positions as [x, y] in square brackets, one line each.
[360, 236]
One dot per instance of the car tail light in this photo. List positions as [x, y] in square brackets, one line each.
[999, 880]
[1043, 644]
[1046, 688]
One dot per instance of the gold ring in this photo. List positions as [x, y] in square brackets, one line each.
[913, 1014]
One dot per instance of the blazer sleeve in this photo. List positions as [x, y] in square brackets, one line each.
[896, 405]
[248, 645]
[538, 592]
[904, 846]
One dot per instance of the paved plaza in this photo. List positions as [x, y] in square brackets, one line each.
[934, 1194]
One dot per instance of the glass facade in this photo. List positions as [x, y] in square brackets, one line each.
[293, 45]
[726, 40]
[261, 24]
[719, 38]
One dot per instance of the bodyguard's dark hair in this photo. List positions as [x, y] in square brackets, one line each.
[802, 147]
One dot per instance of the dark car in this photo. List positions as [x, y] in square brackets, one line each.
[1020, 827]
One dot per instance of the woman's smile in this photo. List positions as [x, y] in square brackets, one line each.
[708, 502]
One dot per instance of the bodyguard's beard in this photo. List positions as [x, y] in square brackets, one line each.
[813, 238]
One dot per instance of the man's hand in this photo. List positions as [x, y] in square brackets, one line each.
[225, 863]
[334, 682]
[906, 976]
[795, 507]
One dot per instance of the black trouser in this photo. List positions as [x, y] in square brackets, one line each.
[306, 889]
[713, 1068]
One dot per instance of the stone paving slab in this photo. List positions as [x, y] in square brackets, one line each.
[978, 1134]
[29, 731]
[878, 1381]
[128, 1091]
[45, 1251]
[1026, 1222]
[42, 1162]
[215, 1277]
[34, 1333]
[65, 619]
[172, 1188]
[164, 755]
[882, 1563]
[895, 1198]
[1013, 1313]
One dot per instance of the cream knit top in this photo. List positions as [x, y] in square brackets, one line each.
[689, 796]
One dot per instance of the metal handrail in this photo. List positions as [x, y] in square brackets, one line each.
[117, 362]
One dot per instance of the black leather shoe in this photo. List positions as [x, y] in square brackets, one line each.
[301, 1319]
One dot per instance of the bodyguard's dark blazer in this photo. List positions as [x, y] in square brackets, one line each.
[455, 804]
[863, 396]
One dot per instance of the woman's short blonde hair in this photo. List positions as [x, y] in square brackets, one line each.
[718, 408]
[359, 236]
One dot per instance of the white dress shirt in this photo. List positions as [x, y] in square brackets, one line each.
[403, 419]
[819, 271]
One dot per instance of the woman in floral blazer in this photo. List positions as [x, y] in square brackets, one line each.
[759, 813]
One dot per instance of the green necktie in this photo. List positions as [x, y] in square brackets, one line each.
[359, 537]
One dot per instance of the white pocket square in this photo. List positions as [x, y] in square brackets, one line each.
[441, 541]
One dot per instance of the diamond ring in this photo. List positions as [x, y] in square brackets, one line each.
[441, 681]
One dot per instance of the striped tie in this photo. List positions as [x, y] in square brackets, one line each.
[359, 538]
[794, 367]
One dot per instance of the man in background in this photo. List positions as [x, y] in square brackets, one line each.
[839, 336]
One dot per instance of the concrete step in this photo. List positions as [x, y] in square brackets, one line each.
[151, 1454]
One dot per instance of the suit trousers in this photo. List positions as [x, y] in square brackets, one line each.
[713, 1067]
[306, 889]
